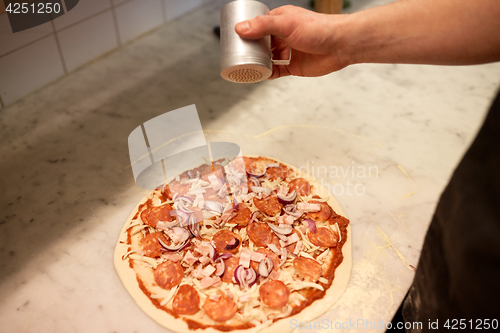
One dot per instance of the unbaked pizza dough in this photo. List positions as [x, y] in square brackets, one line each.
[128, 269]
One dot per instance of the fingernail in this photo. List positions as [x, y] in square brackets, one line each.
[244, 27]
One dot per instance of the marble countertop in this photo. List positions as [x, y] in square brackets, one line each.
[66, 187]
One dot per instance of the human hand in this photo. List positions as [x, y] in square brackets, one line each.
[310, 35]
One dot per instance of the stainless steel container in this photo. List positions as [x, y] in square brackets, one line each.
[243, 60]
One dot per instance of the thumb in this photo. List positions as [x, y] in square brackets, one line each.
[276, 25]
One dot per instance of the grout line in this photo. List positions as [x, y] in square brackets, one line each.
[63, 3]
[32, 42]
[54, 29]
[163, 11]
[115, 22]
[85, 19]
[65, 69]
[123, 3]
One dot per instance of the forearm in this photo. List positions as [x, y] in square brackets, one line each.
[444, 32]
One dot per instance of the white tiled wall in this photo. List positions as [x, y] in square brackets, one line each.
[138, 16]
[83, 10]
[33, 58]
[87, 40]
[10, 42]
[29, 68]
[177, 8]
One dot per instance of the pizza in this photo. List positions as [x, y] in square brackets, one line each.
[243, 245]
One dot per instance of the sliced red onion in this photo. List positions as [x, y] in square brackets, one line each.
[185, 245]
[183, 217]
[292, 210]
[182, 233]
[235, 203]
[284, 230]
[220, 267]
[310, 224]
[265, 267]
[261, 189]
[234, 172]
[251, 276]
[177, 247]
[287, 199]
[252, 181]
[256, 175]
[282, 237]
[225, 256]
[214, 206]
[212, 253]
[192, 174]
[284, 255]
[240, 276]
[194, 228]
[254, 215]
[232, 244]
[233, 180]
[181, 206]
[245, 277]
[184, 198]
[165, 225]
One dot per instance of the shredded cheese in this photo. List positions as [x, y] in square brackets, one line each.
[302, 285]
[150, 261]
[323, 255]
[323, 280]
[169, 296]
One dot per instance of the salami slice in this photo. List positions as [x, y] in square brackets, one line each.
[324, 213]
[186, 301]
[221, 310]
[261, 234]
[152, 215]
[323, 237]
[150, 245]
[270, 205]
[307, 268]
[277, 172]
[247, 161]
[300, 185]
[226, 241]
[230, 266]
[342, 221]
[242, 215]
[274, 294]
[168, 274]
